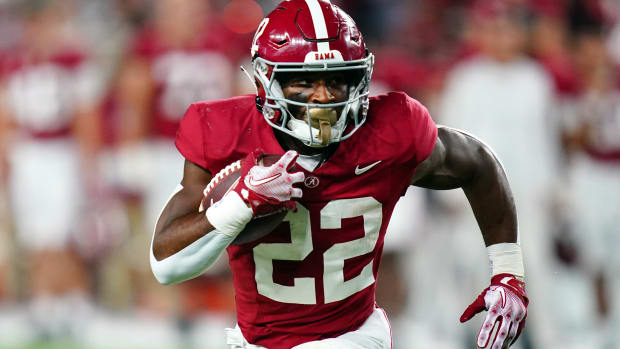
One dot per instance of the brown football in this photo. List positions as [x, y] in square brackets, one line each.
[223, 182]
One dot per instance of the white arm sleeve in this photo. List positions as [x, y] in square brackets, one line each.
[191, 261]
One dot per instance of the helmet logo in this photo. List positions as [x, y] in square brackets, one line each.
[259, 32]
[323, 56]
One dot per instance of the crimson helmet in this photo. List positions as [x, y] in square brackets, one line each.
[310, 36]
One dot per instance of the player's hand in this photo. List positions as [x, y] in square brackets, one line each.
[506, 301]
[269, 188]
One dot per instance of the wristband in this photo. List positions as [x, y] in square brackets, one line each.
[229, 215]
[506, 258]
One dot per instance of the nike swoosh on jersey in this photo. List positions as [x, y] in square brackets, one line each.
[359, 170]
[256, 183]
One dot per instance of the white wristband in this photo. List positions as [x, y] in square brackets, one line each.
[506, 258]
[229, 215]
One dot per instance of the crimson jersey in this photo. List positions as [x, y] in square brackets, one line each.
[314, 276]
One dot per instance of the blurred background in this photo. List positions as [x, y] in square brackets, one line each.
[91, 92]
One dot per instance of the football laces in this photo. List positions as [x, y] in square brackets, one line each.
[219, 177]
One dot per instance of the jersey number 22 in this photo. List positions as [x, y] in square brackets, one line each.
[334, 286]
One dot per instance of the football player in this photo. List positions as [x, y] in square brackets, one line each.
[347, 159]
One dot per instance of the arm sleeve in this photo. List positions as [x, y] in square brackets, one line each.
[191, 261]
[190, 137]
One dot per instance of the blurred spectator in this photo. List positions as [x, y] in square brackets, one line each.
[50, 140]
[593, 141]
[504, 97]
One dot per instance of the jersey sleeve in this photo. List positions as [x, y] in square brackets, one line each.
[423, 128]
[190, 137]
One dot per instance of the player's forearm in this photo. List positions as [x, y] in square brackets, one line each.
[491, 199]
[181, 224]
[179, 234]
[191, 260]
[188, 244]
[184, 245]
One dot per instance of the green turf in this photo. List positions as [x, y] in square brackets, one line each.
[51, 345]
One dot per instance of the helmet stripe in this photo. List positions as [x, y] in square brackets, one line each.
[320, 28]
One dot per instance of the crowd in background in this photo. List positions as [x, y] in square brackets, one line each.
[91, 93]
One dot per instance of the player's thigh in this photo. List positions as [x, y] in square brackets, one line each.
[375, 333]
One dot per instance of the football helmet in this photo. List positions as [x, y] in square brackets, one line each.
[302, 36]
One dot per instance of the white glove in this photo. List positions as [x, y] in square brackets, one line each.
[506, 301]
[265, 189]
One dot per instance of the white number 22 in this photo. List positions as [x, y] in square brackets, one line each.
[335, 287]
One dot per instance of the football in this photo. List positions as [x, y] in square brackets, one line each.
[227, 179]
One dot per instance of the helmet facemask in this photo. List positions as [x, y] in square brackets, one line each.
[322, 124]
